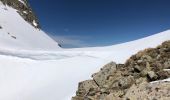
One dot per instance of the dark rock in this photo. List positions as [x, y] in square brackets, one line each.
[163, 74]
[167, 64]
[137, 68]
[152, 76]
[14, 37]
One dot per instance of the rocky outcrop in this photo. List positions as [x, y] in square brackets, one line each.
[24, 9]
[152, 91]
[132, 80]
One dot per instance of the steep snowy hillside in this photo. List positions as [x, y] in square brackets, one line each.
[16, 33]
[23, 9]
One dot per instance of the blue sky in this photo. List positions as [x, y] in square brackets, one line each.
[80, 23]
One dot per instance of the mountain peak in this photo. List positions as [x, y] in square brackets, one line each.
[24, 10]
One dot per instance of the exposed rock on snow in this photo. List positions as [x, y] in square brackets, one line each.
[19, 34]
[24, 9]
[131, 81]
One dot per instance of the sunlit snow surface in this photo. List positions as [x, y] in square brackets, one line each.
[33, 67]
[17, 33]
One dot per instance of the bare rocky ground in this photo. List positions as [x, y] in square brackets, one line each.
[132, 80]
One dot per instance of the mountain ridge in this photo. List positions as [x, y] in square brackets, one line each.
[24, 9]
[19, 30]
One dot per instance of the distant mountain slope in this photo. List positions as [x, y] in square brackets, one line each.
[17, 33]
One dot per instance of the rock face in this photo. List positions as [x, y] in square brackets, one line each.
[24, 9]
[131, 81]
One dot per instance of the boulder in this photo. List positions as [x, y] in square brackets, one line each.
[152, 76]
[104, 74]
[138, 68]
[167, 64]
[126, 82]
[85, 86]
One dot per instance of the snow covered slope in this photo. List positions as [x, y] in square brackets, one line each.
[33, 67]
[120, 52]
[54, 75]
[16, 33]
